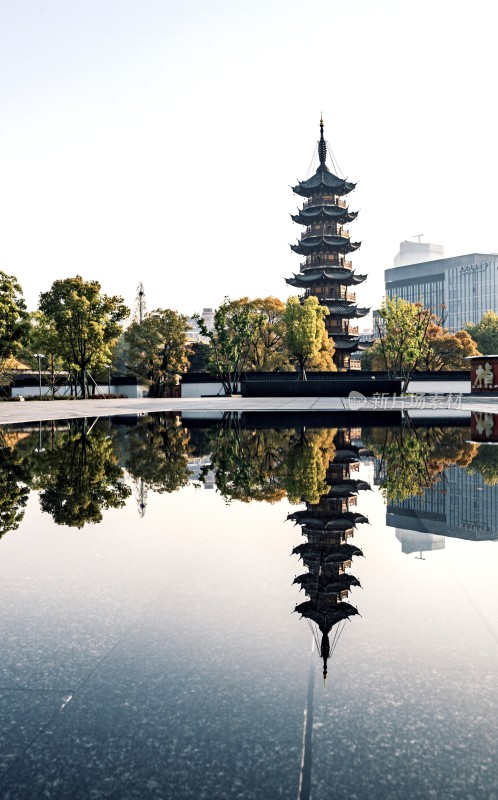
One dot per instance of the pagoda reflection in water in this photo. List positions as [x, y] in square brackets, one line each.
[328, 525]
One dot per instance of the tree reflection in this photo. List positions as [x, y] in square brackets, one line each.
[268, 464]
[486, 464]
[77, 474]
[413, 459]
[155, 453]
[14, 480]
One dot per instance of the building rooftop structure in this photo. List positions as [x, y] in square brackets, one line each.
[417, 252]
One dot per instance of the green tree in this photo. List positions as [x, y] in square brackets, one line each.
[14, 323]
[230, 341]
[44, 338]
[158, 349]
[267, 352]
[87, 323]
[485, 333]
[305, 334]
[373, 358]
[78, 475]
[404, 337]
[199, 358]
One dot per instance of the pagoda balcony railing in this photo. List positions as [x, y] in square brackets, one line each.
[329, 296]
[325, 231]
[324, 261]
[342, 330]
[326, 200]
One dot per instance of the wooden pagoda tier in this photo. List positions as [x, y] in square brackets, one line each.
[327, 553]
[327, 272]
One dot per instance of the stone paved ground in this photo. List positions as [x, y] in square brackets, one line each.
[35, 410]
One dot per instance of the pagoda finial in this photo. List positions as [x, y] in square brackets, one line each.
[322, 145]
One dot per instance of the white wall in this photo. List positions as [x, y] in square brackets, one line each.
[440, 387]
[199, 389]
[128, 391]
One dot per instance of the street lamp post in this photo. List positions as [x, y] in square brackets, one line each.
[39, 356]
[109, 379]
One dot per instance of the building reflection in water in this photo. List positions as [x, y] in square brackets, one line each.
[328, 526]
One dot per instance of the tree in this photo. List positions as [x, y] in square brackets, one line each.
[267, 352]
[230, 341]
[447, 350]
[404, 337]
[158, 349]
[373, 358]
[323, 361]
[199, 358]
[87, 323]
[485, 333]
[305, 334]
[14, 323]
[44, 338]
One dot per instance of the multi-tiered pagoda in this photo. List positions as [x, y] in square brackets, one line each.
[327, 553]
[326, 271]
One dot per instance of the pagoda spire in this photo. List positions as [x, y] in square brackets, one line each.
[322, 145]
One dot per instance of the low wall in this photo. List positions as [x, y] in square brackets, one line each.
[324, 387]
[197, 384]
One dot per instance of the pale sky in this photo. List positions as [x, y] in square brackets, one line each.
[156, 141]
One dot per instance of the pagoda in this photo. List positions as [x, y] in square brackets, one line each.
[326, 271]
[328, 526]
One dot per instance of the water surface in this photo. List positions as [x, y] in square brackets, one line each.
[149, 649]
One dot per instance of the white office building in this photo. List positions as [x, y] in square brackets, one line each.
[461, 288]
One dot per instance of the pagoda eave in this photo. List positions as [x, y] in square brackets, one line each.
[324, 214]
[340, 308]
[325, 275]
[346, 343]
[323, 179]
[324, 244]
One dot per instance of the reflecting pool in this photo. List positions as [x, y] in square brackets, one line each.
[247, 607]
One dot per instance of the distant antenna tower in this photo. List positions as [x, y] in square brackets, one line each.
[139, 309]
